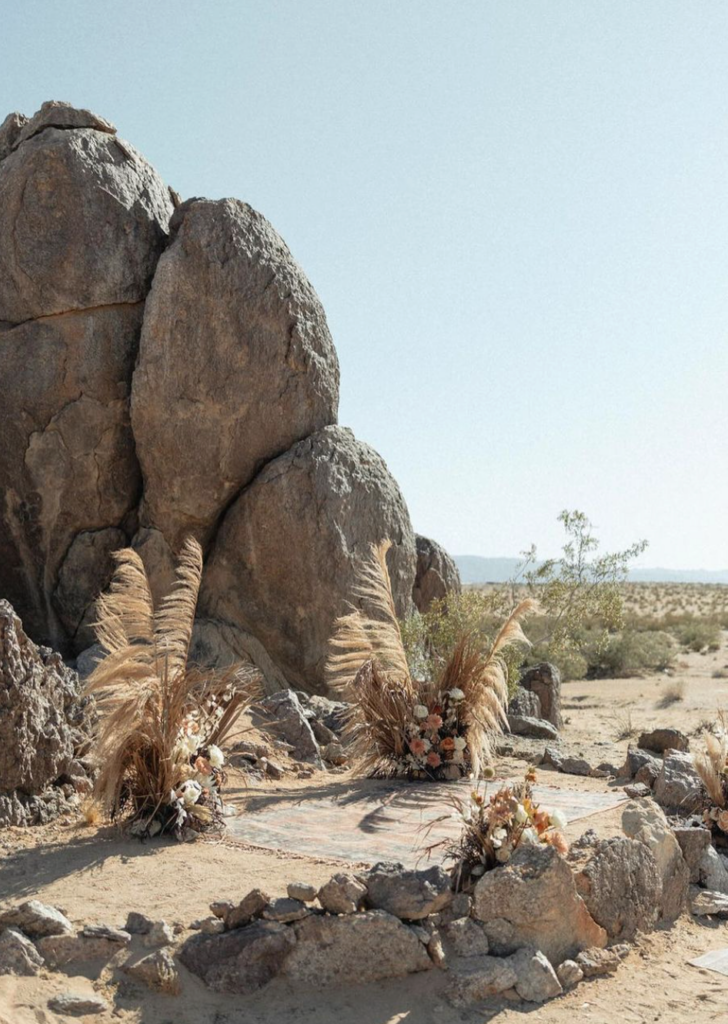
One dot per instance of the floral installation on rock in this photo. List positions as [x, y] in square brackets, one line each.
[711, 764]
[161, 720]
[493, 828]
[438, 729]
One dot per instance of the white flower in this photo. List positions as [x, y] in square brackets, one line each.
[460, 743]
[499, 836]
[421, 711]
[529, 836]
[457, 757]
[558, 819]
[521, 814]
[215, 756]
[204, 781]
[456, 694]
[190, 792]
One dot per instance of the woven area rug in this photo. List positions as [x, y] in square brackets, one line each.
[369, 822]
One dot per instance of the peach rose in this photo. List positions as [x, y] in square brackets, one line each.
[433, 722]
[433, 759]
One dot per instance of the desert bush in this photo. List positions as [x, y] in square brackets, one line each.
[697, 635]
[630, 653]
[161, 721]
[439, 724]
[672, 693]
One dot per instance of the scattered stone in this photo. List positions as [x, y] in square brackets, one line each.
[284, 910]
[407, 894]
[712, 871]
[545, 681]
[569, 974]
[660, 740]
[621, 887]
[355, 949]
[704, 903]
[104, 931]
[160, 934]
[466, 937]
[568, 765]
[240, 961]
[532, 901]
[647, 774]
[635, 760]
[138, 924]
[302, 891]
[36, 919]
[637, 790]
[18, 955]
[478, 978]
[536, 979]
[596, 962]
[220, 908]
[283, 714]
[645, 822]
[72, 1004]
[250, 907]
[334, 753]
[678, 786]
[211, 925]
[536, 728]
[435, 950]
[272, 769]
[525, 703]
[156, 970]
[342, 894]
[694, 841]
[58, 950]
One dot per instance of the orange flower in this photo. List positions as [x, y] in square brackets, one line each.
[557, 840]
[433, 722]
[418, 747]
[202, 765]
[723, 821]
[540, 820]
[448, 743]
[433, 759]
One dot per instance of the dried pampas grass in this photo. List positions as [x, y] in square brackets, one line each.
[368, 665]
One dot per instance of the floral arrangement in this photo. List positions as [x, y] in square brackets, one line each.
[161, 720]
[494, 827]
[440, 728]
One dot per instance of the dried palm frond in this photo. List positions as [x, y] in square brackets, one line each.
[376, 729]
[146, 693]
[369, 632]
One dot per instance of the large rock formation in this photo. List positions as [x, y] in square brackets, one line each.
[226, 428]
[41, 719]
[436, 575]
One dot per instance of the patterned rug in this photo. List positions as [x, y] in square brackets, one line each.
[368, 822]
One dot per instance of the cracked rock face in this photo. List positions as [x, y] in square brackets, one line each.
[288, 550]
[167, 369]
[236, 364]
[37, 692]
[437, 574]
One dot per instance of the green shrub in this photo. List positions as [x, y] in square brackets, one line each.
[631, 653]
[698, 635]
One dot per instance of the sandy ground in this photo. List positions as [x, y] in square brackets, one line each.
[96, 875]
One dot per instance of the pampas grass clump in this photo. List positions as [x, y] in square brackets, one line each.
[439, 728]
[711, 764]
[161, 721]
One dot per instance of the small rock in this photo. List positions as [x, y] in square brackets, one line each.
[160, 934]
[342, 894]
[156, 970]
[211, 926]
[466, 937]
[478, 978]
[272, 769]
[525, 703]
[536, 728]
[284, 910]
[104, 931]
[241, 961]
[660, 740]
[301, 891]
[712, 872]
[635, 760]
[569, 974]
[221, 907]
[647, 774]
[637, 790]
[621, 886]
[704, 903]
[645, 822]
[251, 906]
[545, 681]
[73, 1005]
[58, 950]
[36, 919]
[694, 841]
[595, 962]
[409, 895]
[435, 951]
[536, 979]
[334, 753]
[18, 955]
[678, 786]
[138, 924]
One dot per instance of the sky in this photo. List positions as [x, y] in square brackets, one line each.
[515, 213]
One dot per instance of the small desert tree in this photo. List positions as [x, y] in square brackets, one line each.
[161, 720]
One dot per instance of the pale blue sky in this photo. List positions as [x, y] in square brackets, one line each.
[515, 213]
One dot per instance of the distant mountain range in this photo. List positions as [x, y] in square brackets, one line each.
[476, 569]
